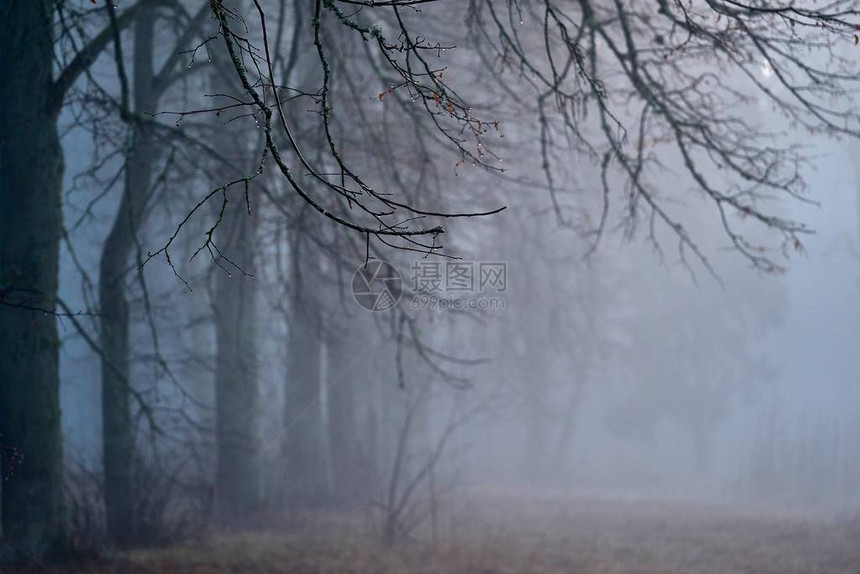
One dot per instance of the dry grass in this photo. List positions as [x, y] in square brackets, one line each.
[504, 533]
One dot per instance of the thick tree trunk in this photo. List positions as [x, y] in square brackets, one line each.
[305, 434]
[117, 432]
[31, 171]
[305, 457]
[348, 473]
[238, 484]
[561, 460]
[537, 460]
[238, 481]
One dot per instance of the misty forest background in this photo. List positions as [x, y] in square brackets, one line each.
[187, 189]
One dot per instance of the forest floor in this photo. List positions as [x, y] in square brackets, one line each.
[503, 534]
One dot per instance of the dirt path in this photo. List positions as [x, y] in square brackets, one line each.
[514, 534]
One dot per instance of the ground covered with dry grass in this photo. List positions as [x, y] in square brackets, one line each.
[508, 533]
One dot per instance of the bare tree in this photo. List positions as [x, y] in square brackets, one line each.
[672, 83]
[31, 228]
[140, 95]
[642, 69]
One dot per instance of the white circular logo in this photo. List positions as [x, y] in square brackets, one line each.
[377, 286]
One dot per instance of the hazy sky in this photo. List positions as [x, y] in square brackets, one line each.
[818, 346]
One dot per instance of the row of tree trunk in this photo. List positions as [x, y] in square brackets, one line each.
[34, 522]
[331, 441]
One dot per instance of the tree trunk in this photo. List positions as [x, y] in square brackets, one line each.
[31, 225]
[305, 435]
[237, 480]
[347, 471]
[305, 440]
[537, 460]
[117, 432]
[561, 460]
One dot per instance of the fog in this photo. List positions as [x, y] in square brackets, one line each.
[620, 355]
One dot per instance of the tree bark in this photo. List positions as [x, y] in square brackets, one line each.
[305, 434]
[567, 431]
[31, 225]
[347, 472]
[117, 431]
[538, 466]
[237, 479]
